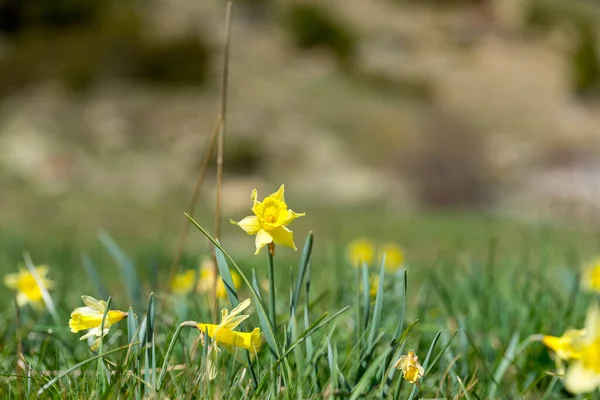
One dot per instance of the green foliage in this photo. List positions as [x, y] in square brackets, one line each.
[472, 319]
[79, 43]
[178, 61]
[313, 26]
[585, 61]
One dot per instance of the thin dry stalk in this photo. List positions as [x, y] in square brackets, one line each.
[220, 145]
[199, 182]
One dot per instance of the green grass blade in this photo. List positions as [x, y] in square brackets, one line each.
[463, 388]
[507, 359]
[366, 297]
[92, 273]
[378, 309]
[363, 385]
[126, 267]
[226, 277]
[302, 268]
[78, 366]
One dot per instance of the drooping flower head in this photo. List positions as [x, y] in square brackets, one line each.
[590, 279]
[394, 256]
[90, 318]
[566, 347]
[412, 371]
[270, 220]
[360, 251]
[224, 335]
[583, 374]
[26, 286]
[184, 282]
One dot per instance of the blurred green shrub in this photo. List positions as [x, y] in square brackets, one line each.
[580, 20]
[255, 10]
[79, 42]
[585, 65]
[178, 61]
[312, 26]
[18, 16]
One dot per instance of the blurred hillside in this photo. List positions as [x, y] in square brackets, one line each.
[108, 105]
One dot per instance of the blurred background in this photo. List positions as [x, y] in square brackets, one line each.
[374, 113]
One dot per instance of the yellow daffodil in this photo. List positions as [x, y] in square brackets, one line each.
[583, 374]
[566, 347]
[590, 280]
[412, 371]
[360, 251]
[394, 256]
[26, 286]
[224, 334]
[207, 276]
[90, 318]
[270, 220]
[183, 283]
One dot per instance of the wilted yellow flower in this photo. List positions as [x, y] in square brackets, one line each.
[90, 317]
[590, 280]
[207, 277]
[412, 371]
[224, 334]
[27, 288]
[394, 256]
[183, 283]
[360, 251]
[583, 374]
[270, 220]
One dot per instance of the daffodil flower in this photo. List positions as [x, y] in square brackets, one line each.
[590, 279]
[207, 276]
[412, 371]
[270, 220]
[26, 286]
[394, 256]
[183, 283]
[90, 318]
[583, 374]
[566, 347]
[224, 334]
[360, 251]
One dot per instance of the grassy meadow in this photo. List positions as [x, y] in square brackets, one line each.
[471, 295]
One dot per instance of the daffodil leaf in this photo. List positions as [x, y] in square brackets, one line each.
[126, 267]
[225, 273]
[302, 268]
[92, 273]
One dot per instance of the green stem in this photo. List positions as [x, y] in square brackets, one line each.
[163, 370]
[271, 290]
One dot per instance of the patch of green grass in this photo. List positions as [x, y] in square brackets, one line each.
[473, 292]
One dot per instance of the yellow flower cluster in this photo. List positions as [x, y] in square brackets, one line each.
[203, 280]
[364, 251]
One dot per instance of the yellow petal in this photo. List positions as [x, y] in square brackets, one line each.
[249, 224]
[581, 380]
[292, 216]
[282, 236]
[278, 195]
[262, 239]
[394, 256]
[184, 283]
[360, 251]
[12, 281]
[592, 321]
[99, 305]
[256, 207]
